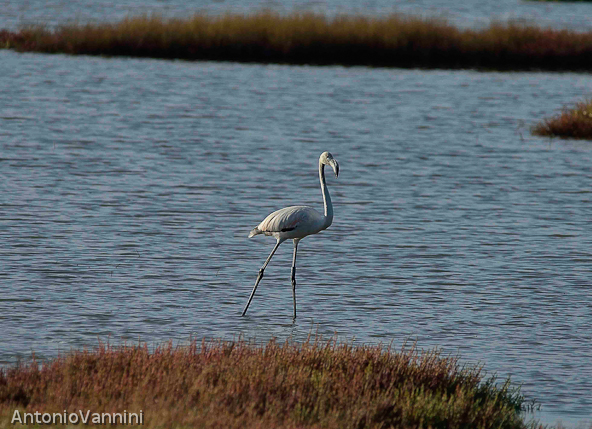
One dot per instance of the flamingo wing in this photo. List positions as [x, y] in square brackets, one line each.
[290, 219]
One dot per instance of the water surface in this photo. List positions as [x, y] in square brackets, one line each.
[128, 188]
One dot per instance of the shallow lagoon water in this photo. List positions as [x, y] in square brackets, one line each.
[128, 188]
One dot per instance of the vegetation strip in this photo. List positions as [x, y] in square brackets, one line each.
[308, 38]
[240, 385]
[575, 123]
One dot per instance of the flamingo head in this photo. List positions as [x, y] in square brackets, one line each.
[327, 159]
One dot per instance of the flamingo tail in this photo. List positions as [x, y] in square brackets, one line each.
[255, 231]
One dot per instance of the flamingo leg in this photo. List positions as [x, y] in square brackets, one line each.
[260, 275]
[294, 276]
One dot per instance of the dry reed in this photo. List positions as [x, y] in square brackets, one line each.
[308, 38]
[239, 385]
[575, 123]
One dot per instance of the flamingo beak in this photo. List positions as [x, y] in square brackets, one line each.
[335, 166]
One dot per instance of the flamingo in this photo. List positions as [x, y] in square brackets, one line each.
[296, 222]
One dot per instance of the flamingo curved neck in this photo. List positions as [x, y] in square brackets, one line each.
[326, 196]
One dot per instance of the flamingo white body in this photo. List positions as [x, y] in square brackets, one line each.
[296, 222]
[292, 222]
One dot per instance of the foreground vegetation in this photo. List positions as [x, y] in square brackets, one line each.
[307, 38]
[240, 385]
[573, 123]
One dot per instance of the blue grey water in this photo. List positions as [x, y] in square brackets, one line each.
[128, 187]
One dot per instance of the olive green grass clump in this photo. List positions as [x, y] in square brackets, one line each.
[309, 38]
[574, 123]
[242, 385]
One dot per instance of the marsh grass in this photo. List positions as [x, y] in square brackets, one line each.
[240, 385]
[308, 38]
[575, 122]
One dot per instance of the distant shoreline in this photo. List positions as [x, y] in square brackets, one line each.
[313, 39]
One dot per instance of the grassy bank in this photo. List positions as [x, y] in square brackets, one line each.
[306, 38]
[237, 385]
[575, 123]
